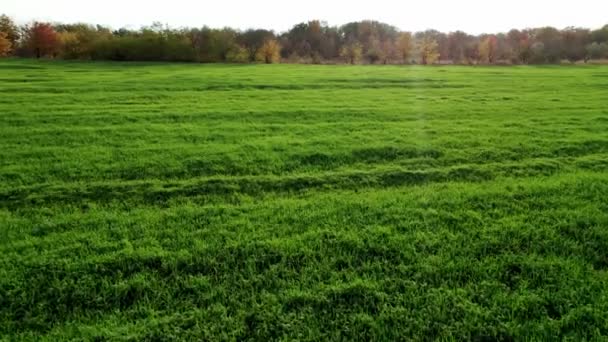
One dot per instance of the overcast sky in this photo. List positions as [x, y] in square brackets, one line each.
[473, 16]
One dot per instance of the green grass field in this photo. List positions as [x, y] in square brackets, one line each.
[163, 202]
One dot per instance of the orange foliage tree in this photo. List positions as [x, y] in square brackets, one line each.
[5, 44]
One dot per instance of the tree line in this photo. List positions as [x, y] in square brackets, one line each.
[368, 42]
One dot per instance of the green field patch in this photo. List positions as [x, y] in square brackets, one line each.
[155, 201]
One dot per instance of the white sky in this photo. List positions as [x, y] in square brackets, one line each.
[473, 16]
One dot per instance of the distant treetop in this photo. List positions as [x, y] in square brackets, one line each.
[369, 42]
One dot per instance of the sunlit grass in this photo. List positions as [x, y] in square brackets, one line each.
[219, 202]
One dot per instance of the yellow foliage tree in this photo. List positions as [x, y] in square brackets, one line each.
[428, 50]
[70, 46]
[5, 45]
[487, 50]
[404, 46]
[270, 52]
[352, 52]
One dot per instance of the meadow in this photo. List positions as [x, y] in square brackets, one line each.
[164, 202]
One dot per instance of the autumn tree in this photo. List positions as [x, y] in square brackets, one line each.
[442, 46]
[253, 40]
[487, 49]
[457, 44]
[374, 51]
[380, 51]
[69, 45]
[11, 31]
[404, 46]
[520, 44]
[471, 51]
[269, 52]
[5, 44]
[367, 31]
[504, 52]
[42, 39]
[370, 36]
[388, 51]
[312, 41]
[440, 39]
[427, 48]
[77, 41]
[352, 52]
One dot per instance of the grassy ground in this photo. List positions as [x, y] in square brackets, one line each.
[182, 202]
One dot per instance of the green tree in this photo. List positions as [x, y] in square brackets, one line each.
[212, 45]
[537, 53]
[237, 54]
[600, 35]
[552, 48]
[78, 40]
[596, 51]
